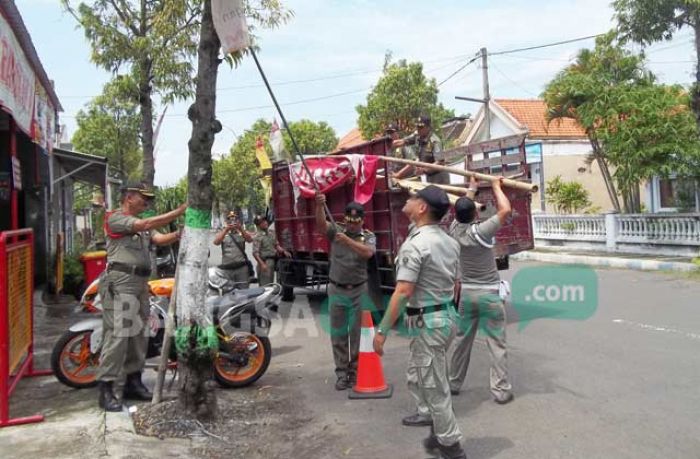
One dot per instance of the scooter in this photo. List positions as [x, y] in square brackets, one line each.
[241, 318]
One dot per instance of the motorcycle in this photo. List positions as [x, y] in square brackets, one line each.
[240, 316]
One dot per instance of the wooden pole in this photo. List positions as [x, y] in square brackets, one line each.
[453, 170]
[167, 338]
[413, 187]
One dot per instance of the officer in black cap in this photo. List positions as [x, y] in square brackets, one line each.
[351, 248]
[426, 275]
[124, 293]
[429, 150]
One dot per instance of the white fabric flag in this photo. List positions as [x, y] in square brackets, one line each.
[230, 25]
[276, 141]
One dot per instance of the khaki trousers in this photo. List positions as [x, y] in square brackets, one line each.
[345, 311]
[268, 276]
[480, 309]
[427, 372]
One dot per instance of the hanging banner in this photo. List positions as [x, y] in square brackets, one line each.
[230, 25]
[261, 155]
[44, 121]
[17, 80]
[333, 171]
[276, 141]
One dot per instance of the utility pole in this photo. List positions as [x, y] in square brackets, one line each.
[487, 94]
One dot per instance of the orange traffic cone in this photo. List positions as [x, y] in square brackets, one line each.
[370, 376]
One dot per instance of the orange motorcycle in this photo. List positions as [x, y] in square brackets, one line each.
[241, 318]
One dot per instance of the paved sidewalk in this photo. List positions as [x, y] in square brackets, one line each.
[604, 259]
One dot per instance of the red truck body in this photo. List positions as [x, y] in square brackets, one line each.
[296, 229]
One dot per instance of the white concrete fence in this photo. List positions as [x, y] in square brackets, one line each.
[653, 234]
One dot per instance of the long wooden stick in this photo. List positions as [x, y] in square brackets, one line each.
[453, 170]
[412, 187]
[167, 335]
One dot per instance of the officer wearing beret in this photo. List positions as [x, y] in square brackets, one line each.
[124, 292]
[427, 269]
[265, 250]
[429, 150]
[480, 300]
[234, 261]
[351, 247]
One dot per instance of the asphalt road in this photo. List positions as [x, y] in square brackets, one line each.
[620, 384]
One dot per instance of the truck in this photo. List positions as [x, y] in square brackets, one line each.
[296, 229]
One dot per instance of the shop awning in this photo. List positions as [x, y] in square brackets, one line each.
[80, 167]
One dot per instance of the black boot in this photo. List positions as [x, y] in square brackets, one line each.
[134, 388]
[107, 400]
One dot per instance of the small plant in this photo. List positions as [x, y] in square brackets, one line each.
[568, 226]
[567, 197]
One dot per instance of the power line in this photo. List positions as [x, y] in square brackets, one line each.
[548, 45]
[458, 70]
[503, 74]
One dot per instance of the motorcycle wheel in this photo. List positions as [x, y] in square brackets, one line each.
[72, 362]
[229, 374]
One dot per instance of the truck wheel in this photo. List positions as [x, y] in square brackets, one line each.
[287, 293]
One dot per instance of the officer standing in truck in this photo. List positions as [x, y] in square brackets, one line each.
[429, 150]
[427, 269]
[351, 247]
[124, 292]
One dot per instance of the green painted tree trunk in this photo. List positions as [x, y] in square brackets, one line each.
[196, 337]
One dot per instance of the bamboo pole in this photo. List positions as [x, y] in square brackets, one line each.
[465, 173]
[167, 335]
[413, 187]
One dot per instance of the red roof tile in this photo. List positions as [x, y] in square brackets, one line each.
[532, 114]
[352, 138]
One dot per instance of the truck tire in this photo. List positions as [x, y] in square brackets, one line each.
[287, 293]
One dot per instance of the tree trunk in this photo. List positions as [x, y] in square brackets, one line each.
[196, 336]
[605, 171]
[146, 104]
[695, 101]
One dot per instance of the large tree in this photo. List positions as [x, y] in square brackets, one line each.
[153, 40]
[196, 339]
[640, 128]
[649, 21]
[402, 94]
[110, 127]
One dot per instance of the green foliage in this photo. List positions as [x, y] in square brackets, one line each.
[401, 95]
[566, 197]
[110, 126]
[312, 138]
[170, 197]
[640, 127]
[648, 21]
[73, 276]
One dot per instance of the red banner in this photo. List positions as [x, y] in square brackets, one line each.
[330, 172]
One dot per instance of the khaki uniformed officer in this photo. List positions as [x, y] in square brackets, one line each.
[351, 247]
[426, 274]
[429, 150]
[401, 152]
[124, 292]
[480, 294]
[234, 261]
[265, 250]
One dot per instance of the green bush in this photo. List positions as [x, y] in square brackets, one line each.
[73, 276]
[566, 197]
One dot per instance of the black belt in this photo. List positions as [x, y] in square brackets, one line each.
[346, 286]
[427, 309]
[128, 269]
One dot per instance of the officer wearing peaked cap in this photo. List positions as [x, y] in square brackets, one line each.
[234, 260]
[428, 150]
[351, 248]
[124, 292]
[427, 269]
[265, 250]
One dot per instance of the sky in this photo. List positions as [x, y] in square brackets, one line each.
[340, 46]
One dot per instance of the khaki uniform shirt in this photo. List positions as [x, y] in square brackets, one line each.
[230, 251]
[264, 244]
[132, 248]
[430, 260]
[477, 262]
[347, 267]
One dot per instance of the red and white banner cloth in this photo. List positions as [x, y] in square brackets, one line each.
[330, 172]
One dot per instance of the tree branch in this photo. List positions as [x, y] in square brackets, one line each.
[124, 17]
[186, 25]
